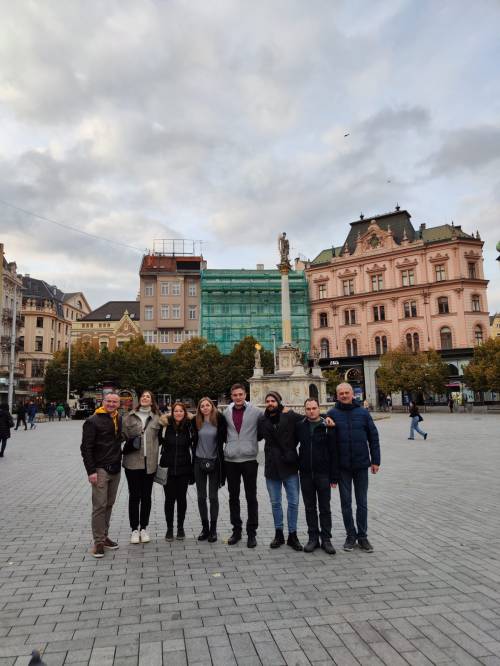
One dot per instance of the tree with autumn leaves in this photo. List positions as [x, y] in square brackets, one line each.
[415, 372]
[483, 372]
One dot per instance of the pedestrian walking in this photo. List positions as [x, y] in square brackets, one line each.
[67, 411]
[101, 452]
[21, 415]
[451, 404]
[319, 473]
[416, 418]
[359, 451]
[277, 429]
[31, 411]
[240, 455]
[60, 411]
[209, 469]
[177, 440]
[6, 423]
[140, 460]
[51, 411]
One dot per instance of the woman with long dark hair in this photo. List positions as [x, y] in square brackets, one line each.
[177, 440]
[209, 464]
[140, 460]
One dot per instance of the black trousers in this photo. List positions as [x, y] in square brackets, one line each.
[140, 488]
[316, 493]
[4, 444]
[248, 472]
[176, 491]
[202, 480]
[21, 419]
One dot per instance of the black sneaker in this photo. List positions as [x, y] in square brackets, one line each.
[311, 545]
[328, 547]
[169, 536]
[234, 538]
[365, 545]
[349, 544]
[181, 535]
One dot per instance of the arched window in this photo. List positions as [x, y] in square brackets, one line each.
[416, 342]
[412, 341]
[443, 307]
[478, 335]
[352, 347]
[409, 341]
[378, 345]
[324, 348]
[348, 347]
[445, 336]
[323, 320]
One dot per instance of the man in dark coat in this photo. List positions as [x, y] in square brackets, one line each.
[277, 429]
[359, 450]
[318, 467]
[21, 416]
[6, 423]
[102, 454]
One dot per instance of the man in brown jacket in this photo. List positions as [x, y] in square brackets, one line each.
[101, 453]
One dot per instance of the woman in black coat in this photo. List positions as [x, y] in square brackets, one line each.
[6, 423]
[177, 438]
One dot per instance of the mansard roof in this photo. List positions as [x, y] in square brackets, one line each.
[114, 311]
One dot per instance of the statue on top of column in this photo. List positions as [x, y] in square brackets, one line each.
[284, 248]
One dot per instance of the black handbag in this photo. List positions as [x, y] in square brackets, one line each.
[207, 465]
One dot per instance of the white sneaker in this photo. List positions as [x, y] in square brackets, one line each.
[145, 537]
[134, 538]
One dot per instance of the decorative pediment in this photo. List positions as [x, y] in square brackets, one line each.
[321, 278]
[126, 326]
[439, 258]
[376, 269]
[472, 255]
[347, 273]
[407, 263]
[374, 239]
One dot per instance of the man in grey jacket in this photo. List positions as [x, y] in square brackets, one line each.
[240, 455]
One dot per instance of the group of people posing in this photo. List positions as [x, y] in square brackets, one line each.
[310, 453]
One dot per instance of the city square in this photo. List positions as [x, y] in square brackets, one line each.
[428, 594]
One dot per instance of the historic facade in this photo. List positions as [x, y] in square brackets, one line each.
[391, 284]
[170, 299]
[109, 326]
[48, 315]
[237, 303]
[495, 325]
[11, 286]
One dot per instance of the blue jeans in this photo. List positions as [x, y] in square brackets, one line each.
[358, 478]
[291, 485]
[414, 426]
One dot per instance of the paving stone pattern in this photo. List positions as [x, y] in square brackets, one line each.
[429, 594]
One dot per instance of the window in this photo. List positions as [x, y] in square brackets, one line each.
[176, 311]
[192, 312]
[445, 336]
[349, 317]
[39, 322]
[164, 288]
[39, 343]
[149, 289]
[163, 336]
[377, 282]
[380, 344]
[478, 335]
[51, 344]
[177, 336]
[471, 269]
[348, 287]
[189, 335]
[164, 311]
[416, 342]
[379, 313]
[322, 291]
[149, 337]
[192, 289]
[410, 309]
[443, 307]
[352, 347]
[323, 319]
[324, 346]
[176, 289]
[37, 368]
[412, 342]
[476, 303]
[103, 345]
[148, 312]
[20, 343]
[407, 278]
[440, 273]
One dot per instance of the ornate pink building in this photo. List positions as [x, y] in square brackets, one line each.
[392, 284]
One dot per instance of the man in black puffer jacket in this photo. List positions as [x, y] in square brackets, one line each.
[359, 450]
[318, 467]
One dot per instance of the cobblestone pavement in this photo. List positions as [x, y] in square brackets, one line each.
[429, 594]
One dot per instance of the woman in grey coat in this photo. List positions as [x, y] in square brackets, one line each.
[140, 460]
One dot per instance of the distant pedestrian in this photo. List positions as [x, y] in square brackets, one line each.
[31, 411]
[416, 418]
[67, 411]
[451, 404]
[6, 423]
[51, 410]
[60, 411]
[176, 438]
[21, 415]
[102, 453]
[209, 468]
[388, 402]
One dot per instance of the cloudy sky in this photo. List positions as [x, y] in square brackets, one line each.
[224, 121]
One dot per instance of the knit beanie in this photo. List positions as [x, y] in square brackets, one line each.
[276, 396]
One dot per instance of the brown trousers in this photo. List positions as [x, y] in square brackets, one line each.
[103, 498]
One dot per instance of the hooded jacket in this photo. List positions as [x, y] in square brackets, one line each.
[101, 440]
[357, 436]
[318, 450]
